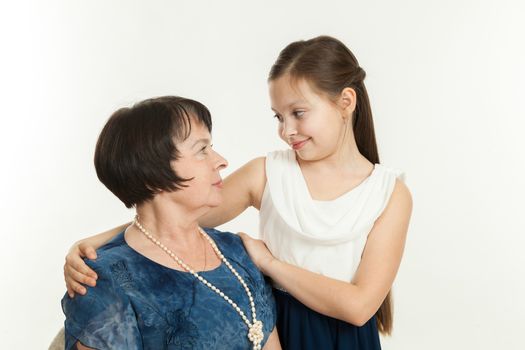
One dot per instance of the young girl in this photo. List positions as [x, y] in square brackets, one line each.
[333, 221]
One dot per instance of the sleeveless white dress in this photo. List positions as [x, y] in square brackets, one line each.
[326, 237]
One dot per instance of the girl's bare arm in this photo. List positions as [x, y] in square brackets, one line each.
[356, 301]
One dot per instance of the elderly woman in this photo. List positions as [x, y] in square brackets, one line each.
[164, 282]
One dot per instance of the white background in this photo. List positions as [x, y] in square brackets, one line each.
[446, 81]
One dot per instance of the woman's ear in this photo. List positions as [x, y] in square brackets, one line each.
[347, 102]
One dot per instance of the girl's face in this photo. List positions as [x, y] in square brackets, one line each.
[310, 123]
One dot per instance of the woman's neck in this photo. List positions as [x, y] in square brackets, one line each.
[170, 223]
[176, 228]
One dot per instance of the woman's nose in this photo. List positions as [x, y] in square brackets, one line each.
[221, 162]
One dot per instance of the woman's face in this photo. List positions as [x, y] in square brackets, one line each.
[309, 123]
[199, 162]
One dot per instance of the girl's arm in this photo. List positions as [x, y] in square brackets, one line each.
[273, 341]
[79, 346]
[243, 188]
[75, 270]
[355, 302]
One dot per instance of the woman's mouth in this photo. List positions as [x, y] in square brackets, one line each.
[218, 184]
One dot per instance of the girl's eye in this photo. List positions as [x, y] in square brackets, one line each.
[298, 114]
[204, 150]
[279, 118]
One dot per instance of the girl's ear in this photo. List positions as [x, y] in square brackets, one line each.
[347, 102]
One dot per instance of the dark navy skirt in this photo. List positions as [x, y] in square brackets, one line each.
[301, 328]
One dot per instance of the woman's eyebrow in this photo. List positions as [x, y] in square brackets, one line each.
[203, 140]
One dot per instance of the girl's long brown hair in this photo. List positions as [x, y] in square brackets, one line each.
[330, 66]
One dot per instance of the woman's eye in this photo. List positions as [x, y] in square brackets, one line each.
[204, 149]
[278, 117]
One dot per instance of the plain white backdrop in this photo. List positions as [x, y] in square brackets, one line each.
[446, 81]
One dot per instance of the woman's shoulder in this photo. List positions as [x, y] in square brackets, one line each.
[108, 264]
[112, 268]
[110, 253]
[230, 245]
[224, 238]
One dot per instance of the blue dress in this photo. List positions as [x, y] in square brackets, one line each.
[139, 304]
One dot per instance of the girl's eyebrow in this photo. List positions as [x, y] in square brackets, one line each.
[296, 102]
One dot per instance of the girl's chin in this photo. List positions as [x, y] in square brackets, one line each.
[304, 154]
[308, 156]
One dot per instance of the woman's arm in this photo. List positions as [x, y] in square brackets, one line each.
[358, 301]
[273, 341]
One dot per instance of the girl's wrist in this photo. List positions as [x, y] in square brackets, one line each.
[268, 268]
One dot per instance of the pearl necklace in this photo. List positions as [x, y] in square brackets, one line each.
[255, 328]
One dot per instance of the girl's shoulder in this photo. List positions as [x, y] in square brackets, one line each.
[388, 179]
[282, 155]
[391, 181]
[386, 170]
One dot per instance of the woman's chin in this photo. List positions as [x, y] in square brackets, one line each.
[215, 202]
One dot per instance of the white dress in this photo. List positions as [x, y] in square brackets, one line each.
[325, 237]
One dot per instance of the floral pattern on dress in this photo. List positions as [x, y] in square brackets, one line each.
[182, 333]
[139, 304]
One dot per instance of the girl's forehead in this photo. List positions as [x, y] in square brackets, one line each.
[285, 91]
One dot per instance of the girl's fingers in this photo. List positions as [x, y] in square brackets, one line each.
[87, 251]
[70, 292]
[244, 236]
[79, 289]
[72, 277]
[75, 262]
[72, 286]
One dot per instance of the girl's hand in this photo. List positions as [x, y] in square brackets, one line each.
[258, 251]
[76, 271]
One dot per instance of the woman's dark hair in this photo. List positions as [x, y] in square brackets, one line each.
[329, 66]
[137, 145]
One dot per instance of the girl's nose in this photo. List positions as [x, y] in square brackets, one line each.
[288, 129]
